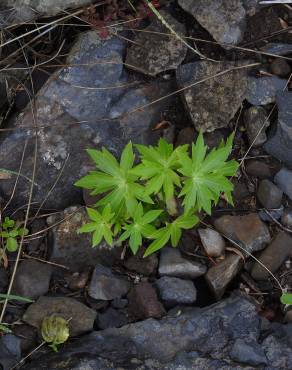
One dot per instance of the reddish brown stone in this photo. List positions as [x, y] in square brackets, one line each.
[144, 303]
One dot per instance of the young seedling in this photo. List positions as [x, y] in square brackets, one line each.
[138, 199]
[10, 232]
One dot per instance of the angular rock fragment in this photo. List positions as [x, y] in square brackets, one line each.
[220, 276]
[104, 285]
[223, 19]
[248, 231]
[273, 256]
[213, 102]
[154, 53]
[174, 291]
[172, 263]
[144, 303]
[80, 317]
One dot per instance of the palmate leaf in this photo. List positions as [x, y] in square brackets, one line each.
[206, 175]
[140, 227]
[115, 180]
[171, 231]
[100, 225]
[158, 167]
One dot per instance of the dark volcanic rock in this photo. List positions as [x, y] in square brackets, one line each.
[154, 53]
[104, 285]
[76, 112]
[258, 169]
[248, 353]
[145, 266]
[256, 121]
[192, 339]
[212, 241]
[174, 291]
[10, 351]
[16, 11]
[284, 180]
[223, 19]
[144, 303]
[280, 145]
[269, 195]
[72, 249]
[212, 103]
[248, 231]
[263, 90]
[111, 318]
[221, 275]
[32, 279]
[273, 256]
[81, 317]
[172, 263]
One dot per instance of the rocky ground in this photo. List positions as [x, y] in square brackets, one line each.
[84, 77]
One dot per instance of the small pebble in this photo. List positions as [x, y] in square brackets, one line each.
[212, 241]
[269, 195]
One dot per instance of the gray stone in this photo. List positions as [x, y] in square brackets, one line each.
[25, 10]
[224, 19]
[280, 145]
[75, 111]
[269, 195]
[248, 353]
[256, 121]
[258, 169]
[154, 53]
[174, 291]
[212, 241]
[81, 318]
[212, 103]
[10, 351]
[72, 249]
[286, 218]
[278, 350]
[104, 285]
[277, 48]
[32, 279]
[284, 180]
[111, 318]
[220, 276]
[248, 231]
[182, 340]
[263, 90]
[273, 256]
[144, 303]
[271, 214]
[119, 303]
[173, 264]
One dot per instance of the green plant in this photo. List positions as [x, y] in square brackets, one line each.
[286, 298]
[140, 200]
[10, 232]
[55, 330]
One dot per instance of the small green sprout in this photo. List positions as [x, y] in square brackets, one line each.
[10, 232]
